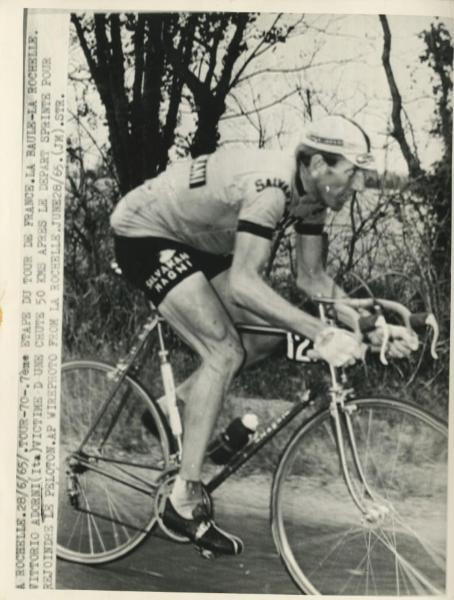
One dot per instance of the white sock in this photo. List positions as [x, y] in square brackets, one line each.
[185, 496]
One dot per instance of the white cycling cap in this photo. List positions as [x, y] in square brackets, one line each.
[339, 135]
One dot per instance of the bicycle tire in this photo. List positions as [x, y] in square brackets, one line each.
[325, 543]
[110, 509]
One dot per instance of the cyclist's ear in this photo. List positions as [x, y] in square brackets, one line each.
[317, 166]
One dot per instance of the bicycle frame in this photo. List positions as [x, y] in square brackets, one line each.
[346, 475]
[341, 419]
[132, 363]
[124, 366]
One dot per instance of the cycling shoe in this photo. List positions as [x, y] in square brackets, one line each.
[202, 531]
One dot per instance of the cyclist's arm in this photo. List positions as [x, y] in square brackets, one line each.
[312, 277]
[315, 281]
[249, 290]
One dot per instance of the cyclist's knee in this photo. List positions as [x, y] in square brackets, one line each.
[226, 356]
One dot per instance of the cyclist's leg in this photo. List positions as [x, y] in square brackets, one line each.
[257, 347]
[173, 277]
[195, 312]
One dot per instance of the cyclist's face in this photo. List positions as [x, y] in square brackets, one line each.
[338, 183]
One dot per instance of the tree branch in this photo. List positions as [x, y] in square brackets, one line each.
[254, 52]
[152, 95]
[192, 81]
[117, 48]
[85, 49]
[298, 69]
[414, 167]
[185, 52]
[139, 61]
[264, 107]
[97, 146]
[232, 54]
[102, 48]
[138, 57]
[213, 49]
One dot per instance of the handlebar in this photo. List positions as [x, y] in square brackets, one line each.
[346, 311]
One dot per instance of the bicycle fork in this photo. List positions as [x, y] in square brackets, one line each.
[374, 510]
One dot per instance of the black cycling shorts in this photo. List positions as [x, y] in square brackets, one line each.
[156, 265]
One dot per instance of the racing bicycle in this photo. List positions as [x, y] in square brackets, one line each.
[359, 495]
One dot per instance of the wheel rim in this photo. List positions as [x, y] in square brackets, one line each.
[109, 508]
[398, 547]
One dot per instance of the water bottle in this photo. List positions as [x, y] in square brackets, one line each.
[232, 439]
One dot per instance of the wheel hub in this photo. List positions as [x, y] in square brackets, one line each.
[376, 515]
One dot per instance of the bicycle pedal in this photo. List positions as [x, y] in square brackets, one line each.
[204, 553]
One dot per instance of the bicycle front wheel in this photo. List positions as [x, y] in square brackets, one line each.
[109, 471]
[397, 545]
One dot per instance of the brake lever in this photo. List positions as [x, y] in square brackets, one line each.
[407, 316]
[398, 308]
[381, 322]
[432, 322]
[348, 306]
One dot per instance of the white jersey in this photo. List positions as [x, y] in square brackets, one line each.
[203, 201]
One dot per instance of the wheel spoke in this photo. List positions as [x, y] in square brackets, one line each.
[438, 556]
[369, 457]
[329, 431]
[396, 454]
[369, 568]
[74, 529]
[396, 546]
[91, 522]
[364, 559]
[115, 490]
[115, 519]
[410, 569]
[116, 515]
[353, 532]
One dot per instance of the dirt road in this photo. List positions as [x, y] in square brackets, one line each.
[358, 559]
[162, 565]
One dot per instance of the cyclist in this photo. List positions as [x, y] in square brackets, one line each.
[196, 240]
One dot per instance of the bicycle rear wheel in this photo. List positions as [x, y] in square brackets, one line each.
[399, 546]
[107, 484]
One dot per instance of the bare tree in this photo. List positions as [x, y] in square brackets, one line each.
[439, 55]
[140, 137]
[397, 132]
[432, 188]
[143, 66]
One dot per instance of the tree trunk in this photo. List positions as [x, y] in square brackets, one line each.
[207, 134]
[398, 133]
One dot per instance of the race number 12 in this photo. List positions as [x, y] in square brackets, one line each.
[297, 347]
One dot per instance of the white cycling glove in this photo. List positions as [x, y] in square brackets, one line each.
[338, 347]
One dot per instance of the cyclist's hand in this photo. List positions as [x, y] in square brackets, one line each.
[338, 347]
[402, 341]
